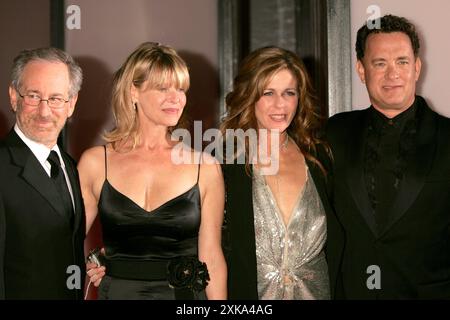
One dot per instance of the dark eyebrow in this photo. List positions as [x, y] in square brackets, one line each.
[283, 90]
[378, 60]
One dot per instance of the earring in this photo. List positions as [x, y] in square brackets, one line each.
[135, 106]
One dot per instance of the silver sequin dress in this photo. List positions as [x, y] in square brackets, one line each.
[290, 259]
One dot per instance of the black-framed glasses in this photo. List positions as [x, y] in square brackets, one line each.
[34, 100]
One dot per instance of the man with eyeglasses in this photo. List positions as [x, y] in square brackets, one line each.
[42, 222]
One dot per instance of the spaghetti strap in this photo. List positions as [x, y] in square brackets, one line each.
[106, 164]
[199, 163]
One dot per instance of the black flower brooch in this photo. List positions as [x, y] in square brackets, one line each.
[187, 272]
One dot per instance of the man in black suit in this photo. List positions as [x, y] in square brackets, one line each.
[391, 184]
[42, 223]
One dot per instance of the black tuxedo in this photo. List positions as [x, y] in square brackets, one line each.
[239, 233]
[38, 240]
[413, 249]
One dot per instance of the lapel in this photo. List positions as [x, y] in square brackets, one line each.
[355, 169]
[241, 195]
[74, 182]
[319, 181]
[320, 185]
[419, 164]
[240, 235]
[33, 172]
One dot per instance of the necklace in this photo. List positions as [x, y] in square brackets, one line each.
[278, 181]
[285, 143]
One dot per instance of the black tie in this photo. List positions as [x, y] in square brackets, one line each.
[59, 179]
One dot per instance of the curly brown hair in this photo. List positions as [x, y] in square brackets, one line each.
[254, 74]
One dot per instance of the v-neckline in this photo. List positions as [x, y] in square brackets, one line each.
[150, 212]
[299, 197]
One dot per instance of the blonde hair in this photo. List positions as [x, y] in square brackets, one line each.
[151, 64]
[254, 74]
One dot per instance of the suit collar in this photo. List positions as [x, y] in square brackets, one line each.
[355, 169]
[415, 173]
[418, 165]
[76, 191]
[33, 172]
[39, 150]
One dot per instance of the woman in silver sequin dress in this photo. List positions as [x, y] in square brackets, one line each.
[277, 223]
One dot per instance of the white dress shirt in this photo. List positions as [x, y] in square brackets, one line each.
[41, 152]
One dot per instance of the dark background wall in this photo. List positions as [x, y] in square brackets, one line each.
[297, 25]
[109, 30]
[23, 24]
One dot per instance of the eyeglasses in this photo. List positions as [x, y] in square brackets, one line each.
[34, 100]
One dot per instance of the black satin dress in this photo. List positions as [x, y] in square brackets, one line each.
[139, 244]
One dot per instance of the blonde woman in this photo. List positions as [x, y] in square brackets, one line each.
[161, 221]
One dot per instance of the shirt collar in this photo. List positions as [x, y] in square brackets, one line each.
[381, 121]
[40, 151]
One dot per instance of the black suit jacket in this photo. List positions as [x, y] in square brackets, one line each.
[413, 250]
[239, 233]
[38, 242]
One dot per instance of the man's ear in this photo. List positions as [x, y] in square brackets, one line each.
[361, 71]
[72, 102]
[418, 65]
[13, 96]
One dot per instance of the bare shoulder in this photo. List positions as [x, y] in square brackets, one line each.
[208, 159]
[210, 167]
[92, 159]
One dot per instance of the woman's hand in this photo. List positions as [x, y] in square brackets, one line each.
[95, 273]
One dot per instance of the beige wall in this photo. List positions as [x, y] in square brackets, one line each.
[431, 18]
[111, 29]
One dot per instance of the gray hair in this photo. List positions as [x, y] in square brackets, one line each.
[47, 54]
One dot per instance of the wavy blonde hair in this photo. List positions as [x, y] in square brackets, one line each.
[254, 74]
[151, 65]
